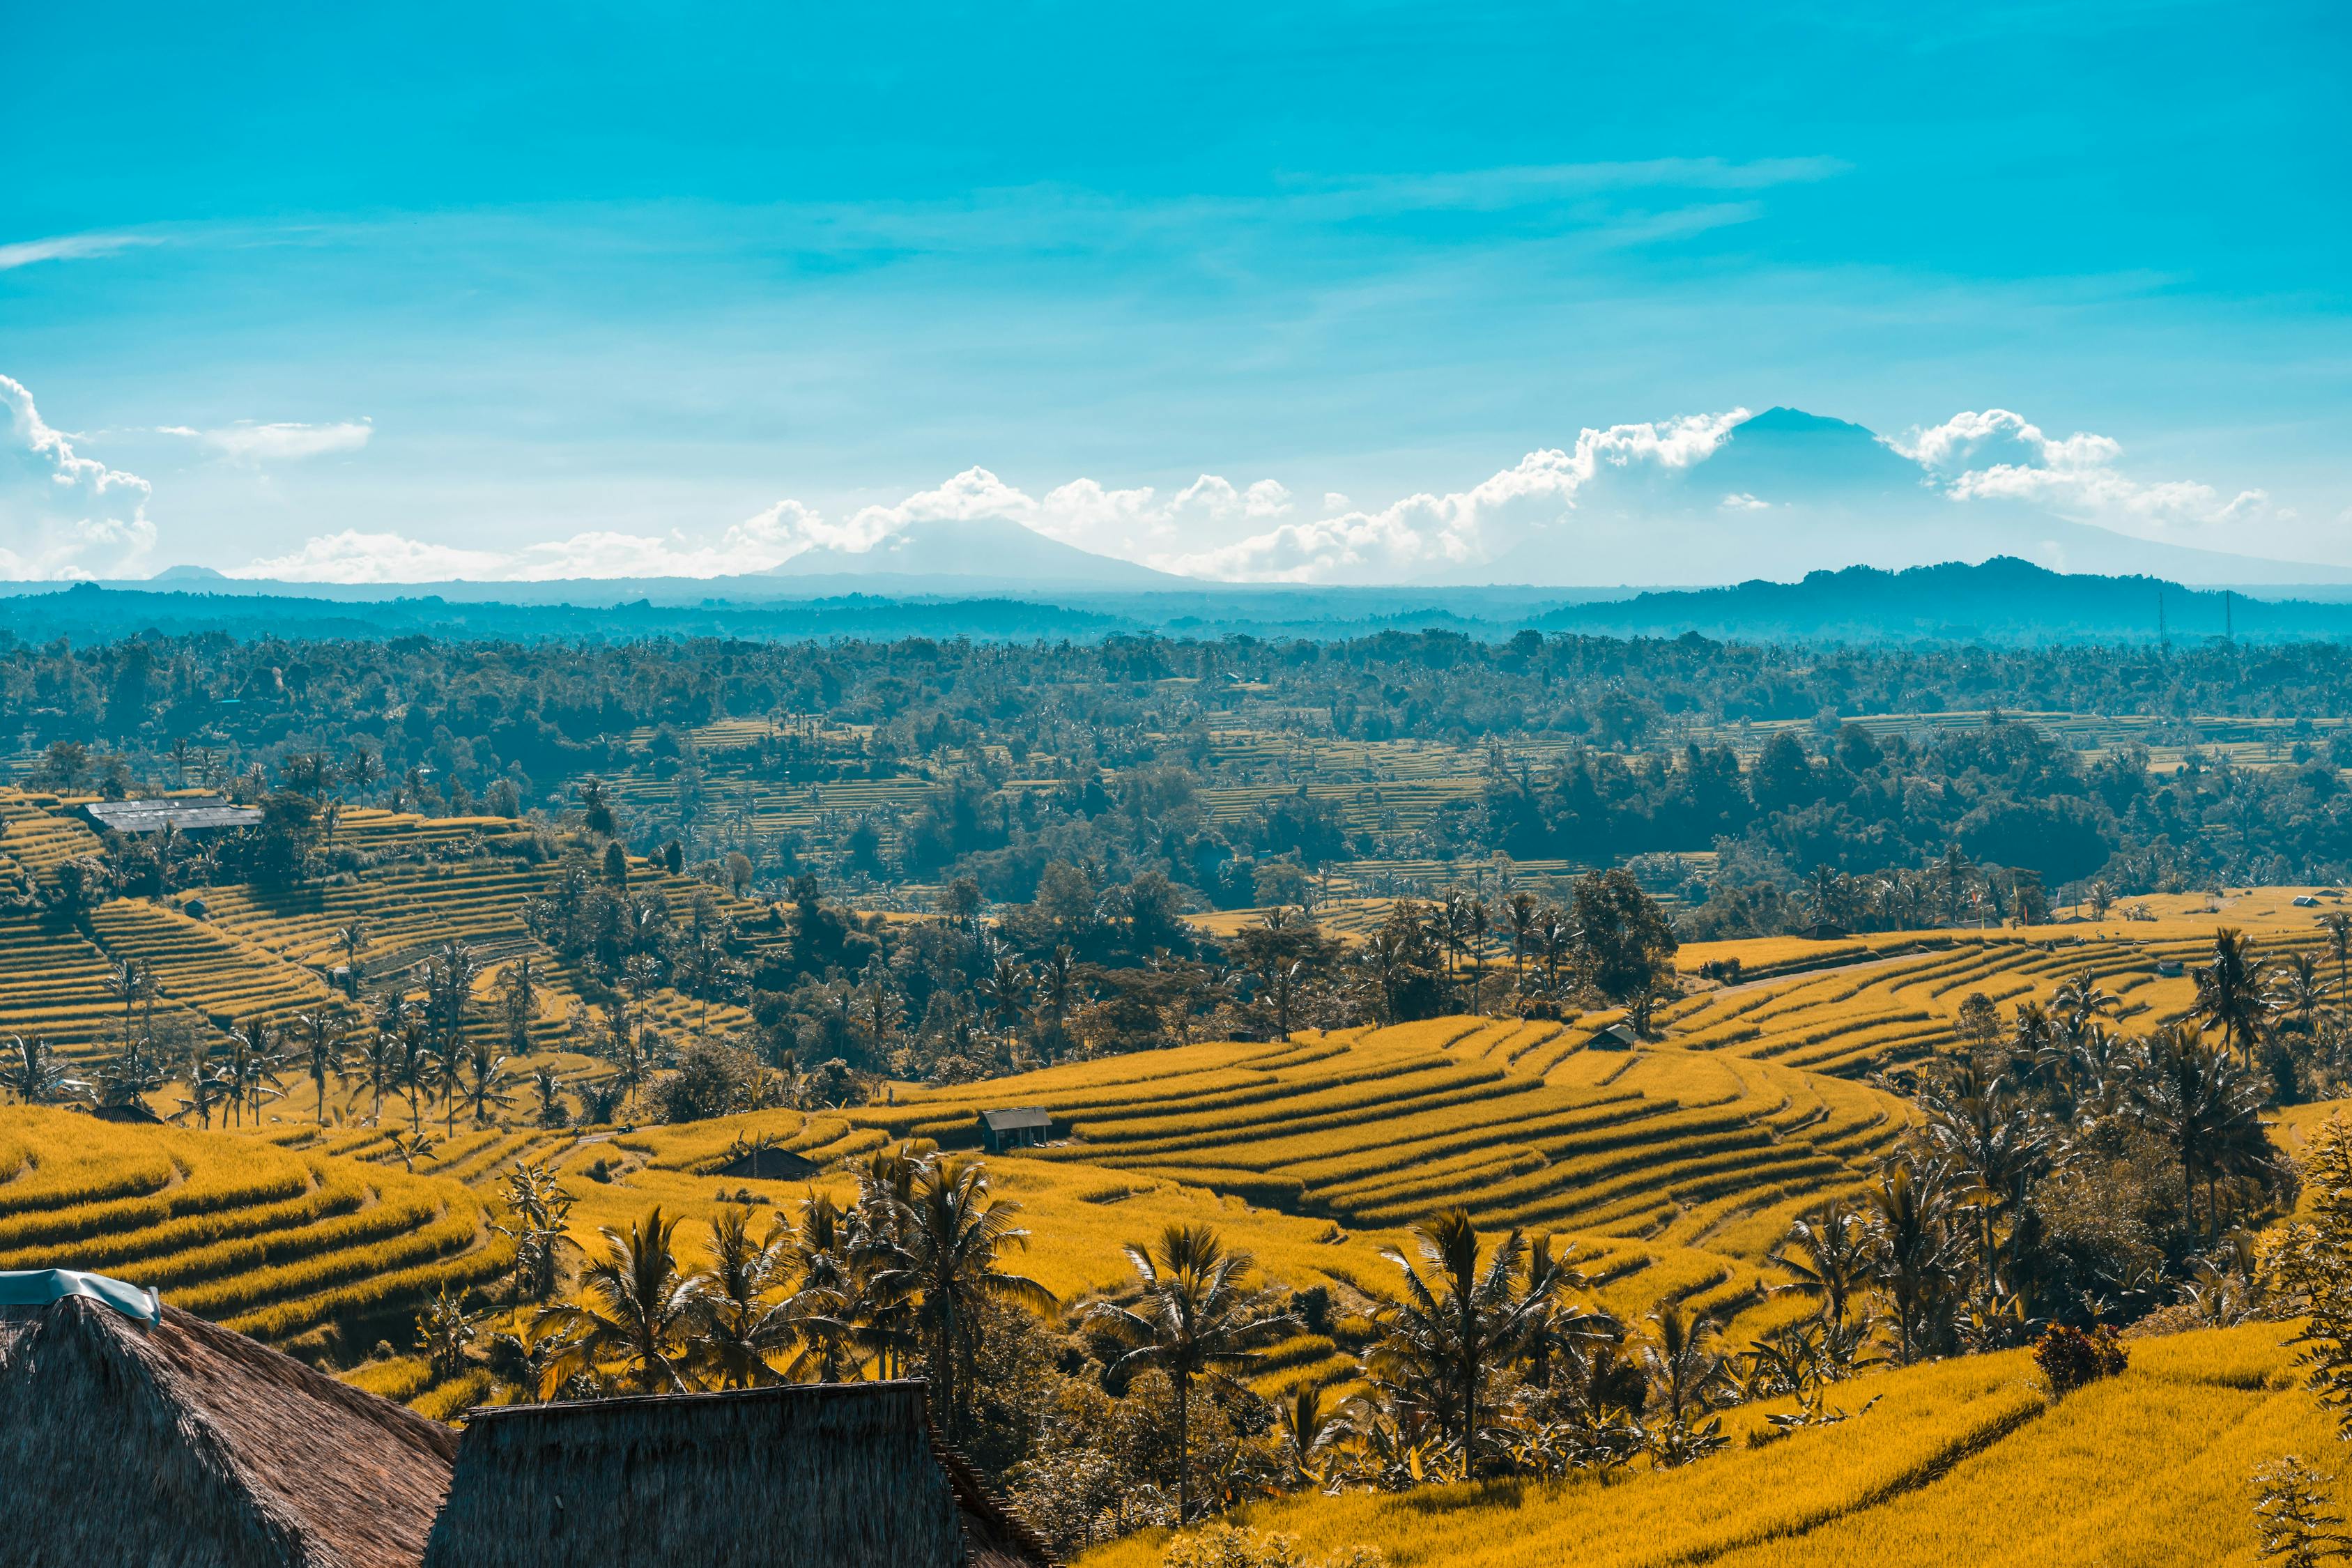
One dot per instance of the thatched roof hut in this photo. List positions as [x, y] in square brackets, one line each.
[160, 1439]
[805, 1476]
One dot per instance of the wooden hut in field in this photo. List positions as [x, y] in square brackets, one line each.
[805, 1476]
[1015, 1127]
[133, 1433]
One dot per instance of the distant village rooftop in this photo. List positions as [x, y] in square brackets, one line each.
[188, 814]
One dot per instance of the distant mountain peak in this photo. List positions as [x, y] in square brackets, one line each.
[1782, 420]
[188, 574]
[982, 548]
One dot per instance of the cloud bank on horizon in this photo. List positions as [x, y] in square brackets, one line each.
[63, 515]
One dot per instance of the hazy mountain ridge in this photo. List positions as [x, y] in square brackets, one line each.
[2003, 601]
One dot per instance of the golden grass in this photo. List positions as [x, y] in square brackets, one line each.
[1963, 1461]
[230, 1227]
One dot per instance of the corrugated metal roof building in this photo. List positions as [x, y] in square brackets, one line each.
[188, 814]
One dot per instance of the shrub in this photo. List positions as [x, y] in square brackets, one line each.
[1230, 1546]
[2071, 1358]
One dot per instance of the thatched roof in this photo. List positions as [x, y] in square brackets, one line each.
[1016, 1118]
[186, 1445]
[805, 1476]
[768, 1163]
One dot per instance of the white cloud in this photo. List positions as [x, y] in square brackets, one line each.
[1259, 531]
[354, 557]
[246, 442]
[62, 515]
[68, 248]
[1996, 455]
[1428, 532]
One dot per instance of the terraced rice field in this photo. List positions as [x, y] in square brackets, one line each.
[208, 971]
[1525, 1124]
[53, 986]
[1854, 1006]
[407, 912]
[274, 1243]
[268, 954]
[40, 835]
[1669, 1174]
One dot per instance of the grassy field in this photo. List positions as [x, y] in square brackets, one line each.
[1959, 1461]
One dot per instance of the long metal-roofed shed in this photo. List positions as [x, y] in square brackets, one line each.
[1017, 1127]
[185, 813]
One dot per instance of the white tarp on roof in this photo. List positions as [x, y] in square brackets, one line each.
[41, 1287]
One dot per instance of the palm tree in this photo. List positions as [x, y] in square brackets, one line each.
[379, 1065]
[126, 980]
[1984, 1135]
[1915, 1266]
[1197, 1321]
[449, 976]
[1453, 930]
[521, 1001]
[817, 1252]
[743, 1325]
[1302, 1432]
[351, 938]
[2208, 1107]
[2083, 1001]
[253, 1068]
[1282, 983]
[2296, 988]
[1453, 1327]
[1004, 989]
[2337, 924]
[1558, 940]
[1828, 1255]
[1481, 922]
[205, 1082]
[411, 1147]
[415, 1073]
[326, 1053]
[1686, 1370]
[1057, 981]
[448, 1069]
[548, 1086]
[1825, 890]
[1954, 868]
[36, 1077]
[493, 1086]
[955, 1242]
[1524, 913]
[636, 1310]
[2229, 992]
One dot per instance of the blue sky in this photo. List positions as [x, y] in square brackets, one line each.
[367, 292]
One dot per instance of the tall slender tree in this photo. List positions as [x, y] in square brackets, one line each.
[955, 1239]
[2230, 995]
[1198, 1319]
[2337, 924]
